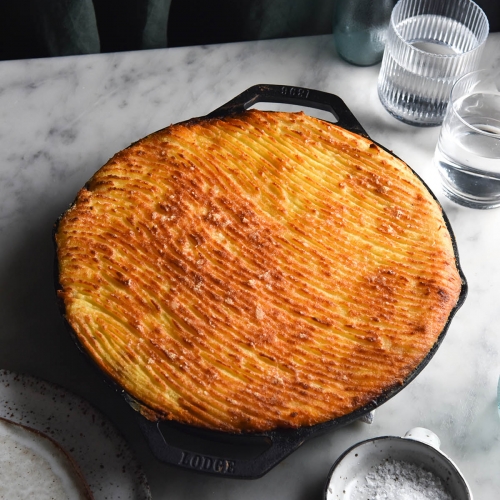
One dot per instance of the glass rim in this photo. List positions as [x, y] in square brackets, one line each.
[494, 135]
[480, 44]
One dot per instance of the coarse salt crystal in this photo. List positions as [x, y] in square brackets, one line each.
[399, 480]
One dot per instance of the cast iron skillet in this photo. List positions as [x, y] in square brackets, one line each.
[251, 455]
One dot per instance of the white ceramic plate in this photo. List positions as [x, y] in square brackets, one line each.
[104, 458]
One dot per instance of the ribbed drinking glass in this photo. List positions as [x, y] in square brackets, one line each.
[430, 44]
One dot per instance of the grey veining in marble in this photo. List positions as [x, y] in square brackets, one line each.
[61, 119]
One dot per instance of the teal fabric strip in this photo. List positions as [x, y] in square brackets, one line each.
[154, 34]
[66, 27]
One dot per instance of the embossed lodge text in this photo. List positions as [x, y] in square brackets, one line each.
[204, 463]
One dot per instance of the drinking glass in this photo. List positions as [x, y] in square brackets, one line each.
[430, 43]
[359, 29]
[468, 151]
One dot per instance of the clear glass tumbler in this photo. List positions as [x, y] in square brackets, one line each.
[468, 151]
[430, 43]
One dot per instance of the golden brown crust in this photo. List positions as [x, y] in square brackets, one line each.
[259, 271]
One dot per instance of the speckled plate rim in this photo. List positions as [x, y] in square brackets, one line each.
[102, 454]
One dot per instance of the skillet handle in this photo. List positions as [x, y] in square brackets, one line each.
[292, 95]
[281, 445]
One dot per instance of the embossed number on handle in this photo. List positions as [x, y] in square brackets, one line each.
[295, 92]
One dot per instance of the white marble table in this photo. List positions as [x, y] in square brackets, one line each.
[61, 119]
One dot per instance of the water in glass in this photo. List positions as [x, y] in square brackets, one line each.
[468, 151]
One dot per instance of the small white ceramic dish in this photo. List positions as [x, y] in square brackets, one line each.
[419, 446]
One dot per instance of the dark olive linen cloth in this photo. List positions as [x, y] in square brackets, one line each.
[45, 28]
